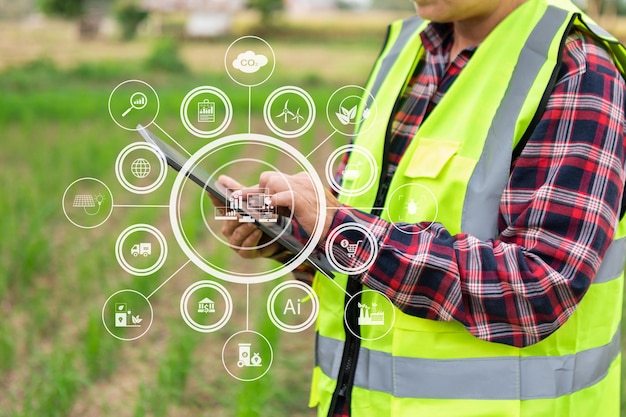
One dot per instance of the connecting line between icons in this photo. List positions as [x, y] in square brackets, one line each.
[247, 306]
[166, 281]
[338, 286]
[171, 138]
[142, 205]
[318, 146]
[249, 110]
[357, 208]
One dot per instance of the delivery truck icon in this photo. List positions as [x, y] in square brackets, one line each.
[143, 249]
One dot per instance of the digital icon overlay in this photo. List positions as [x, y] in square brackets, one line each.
[127, 315]
[247, 355]
[87, 203]
[135, 168]
[206, 306]
[134, 249]
[138, 101]
[376, 315]
[219, 146]
[289, 112]
[414, 203]
[132, 103]
[249, 61]
[351, 248]
[206, 112]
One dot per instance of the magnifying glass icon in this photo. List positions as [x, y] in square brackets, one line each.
[137, 101]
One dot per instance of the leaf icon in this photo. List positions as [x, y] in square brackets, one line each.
[366, 113]
[344, 111]
[136, 319]
[344, 119]
[352, 113]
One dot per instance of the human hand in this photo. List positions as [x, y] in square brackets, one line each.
[296, 194]
[246, 239]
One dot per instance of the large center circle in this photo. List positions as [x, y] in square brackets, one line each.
[234, 276]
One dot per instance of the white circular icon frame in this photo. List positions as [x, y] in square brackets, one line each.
[124, 338]
[134, 129]
[65, 195]
[184, 300]
[372, 106]
[184, 116]
[267, 110]
[351, 226]
[119, 246]
[231, 276]
[232, 77]
[268, 366]
[119, 162]
[394, 223]
[288, 327]
[345, 316]
[330, 174]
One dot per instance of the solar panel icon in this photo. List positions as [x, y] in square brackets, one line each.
[84, 200]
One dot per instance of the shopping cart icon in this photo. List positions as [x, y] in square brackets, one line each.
[350, 247]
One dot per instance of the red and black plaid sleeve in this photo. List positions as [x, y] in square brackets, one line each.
[556, 218]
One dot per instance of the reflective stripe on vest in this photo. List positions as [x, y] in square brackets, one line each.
[491, 174]
[612, 265]
[483, 378]
[406, 32]
[495, 378]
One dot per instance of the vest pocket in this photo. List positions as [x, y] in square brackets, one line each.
[430, 157]
[431, 184]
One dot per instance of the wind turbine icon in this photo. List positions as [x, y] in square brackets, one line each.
[287, 113]
[297, 117]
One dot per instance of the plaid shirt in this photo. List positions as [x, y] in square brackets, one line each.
[557, 214]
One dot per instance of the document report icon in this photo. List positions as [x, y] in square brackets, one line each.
[206, 111]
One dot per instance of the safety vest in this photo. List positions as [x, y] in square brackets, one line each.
[462, 155]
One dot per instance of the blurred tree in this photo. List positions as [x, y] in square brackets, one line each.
[67, 9]
[165, 57]
[129, 15]
[88, 13]
[266, 8]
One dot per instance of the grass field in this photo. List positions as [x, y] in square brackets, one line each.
[56, 358]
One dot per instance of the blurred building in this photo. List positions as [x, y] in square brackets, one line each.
[306, 6]
[11, 9]
[204, 18]
[193, 5]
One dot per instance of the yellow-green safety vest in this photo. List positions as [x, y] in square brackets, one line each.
[462, 155]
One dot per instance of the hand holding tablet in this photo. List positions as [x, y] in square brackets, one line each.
[266, 219]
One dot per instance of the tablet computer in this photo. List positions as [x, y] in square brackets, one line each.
[274, 230]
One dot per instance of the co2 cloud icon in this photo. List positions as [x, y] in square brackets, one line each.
[249, 62]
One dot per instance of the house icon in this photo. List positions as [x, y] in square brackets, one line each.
[206, 306]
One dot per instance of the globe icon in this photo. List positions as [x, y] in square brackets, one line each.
[140, 168]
